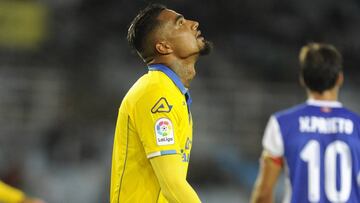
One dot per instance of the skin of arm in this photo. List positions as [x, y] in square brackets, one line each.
[172, 179]
[265, 183]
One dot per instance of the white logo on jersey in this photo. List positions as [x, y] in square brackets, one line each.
[164, 132]
[323, 125]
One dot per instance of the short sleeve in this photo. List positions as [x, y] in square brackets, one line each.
[157, 121]
[272, 140]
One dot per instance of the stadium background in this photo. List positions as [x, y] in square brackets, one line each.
[65, 67]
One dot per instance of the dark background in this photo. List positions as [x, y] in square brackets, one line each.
[65, 67]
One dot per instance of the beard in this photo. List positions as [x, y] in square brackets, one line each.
[208, 47]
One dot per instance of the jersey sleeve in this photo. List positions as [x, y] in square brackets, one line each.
[10, 194]
[272, 141]
[157, 122]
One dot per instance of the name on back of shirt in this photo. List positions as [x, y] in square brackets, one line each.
[325, 125]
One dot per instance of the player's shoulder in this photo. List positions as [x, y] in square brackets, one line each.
[150, 84]
[291, 111]
[350, 113]
[150, 88]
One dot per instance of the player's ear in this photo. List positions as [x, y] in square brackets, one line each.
[163, 48]
[340, 79]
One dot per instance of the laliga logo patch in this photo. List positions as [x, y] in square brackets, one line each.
[161, 106]
[164, 132]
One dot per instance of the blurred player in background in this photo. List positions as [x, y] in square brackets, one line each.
[153, 135]
[9, 194]
[317, 142]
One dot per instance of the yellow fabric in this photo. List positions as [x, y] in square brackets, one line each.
[173, 180]
[154, 96]
[9, 194]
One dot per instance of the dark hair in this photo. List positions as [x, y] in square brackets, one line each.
[143, 24]
[320, 66]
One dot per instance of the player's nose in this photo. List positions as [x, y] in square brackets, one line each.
[195, 25]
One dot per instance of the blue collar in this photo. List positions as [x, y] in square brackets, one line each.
[171, 74]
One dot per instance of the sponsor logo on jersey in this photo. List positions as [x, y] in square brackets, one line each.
[185, 157]
[186, 152]
[188, 143]
[164, 132]
[161, 106]
[322, 125]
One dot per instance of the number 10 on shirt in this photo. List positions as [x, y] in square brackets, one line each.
[311, 154]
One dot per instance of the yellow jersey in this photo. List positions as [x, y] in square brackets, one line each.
[154, 120]
[9, 194]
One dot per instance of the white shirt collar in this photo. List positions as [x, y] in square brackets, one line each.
[324, 103]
